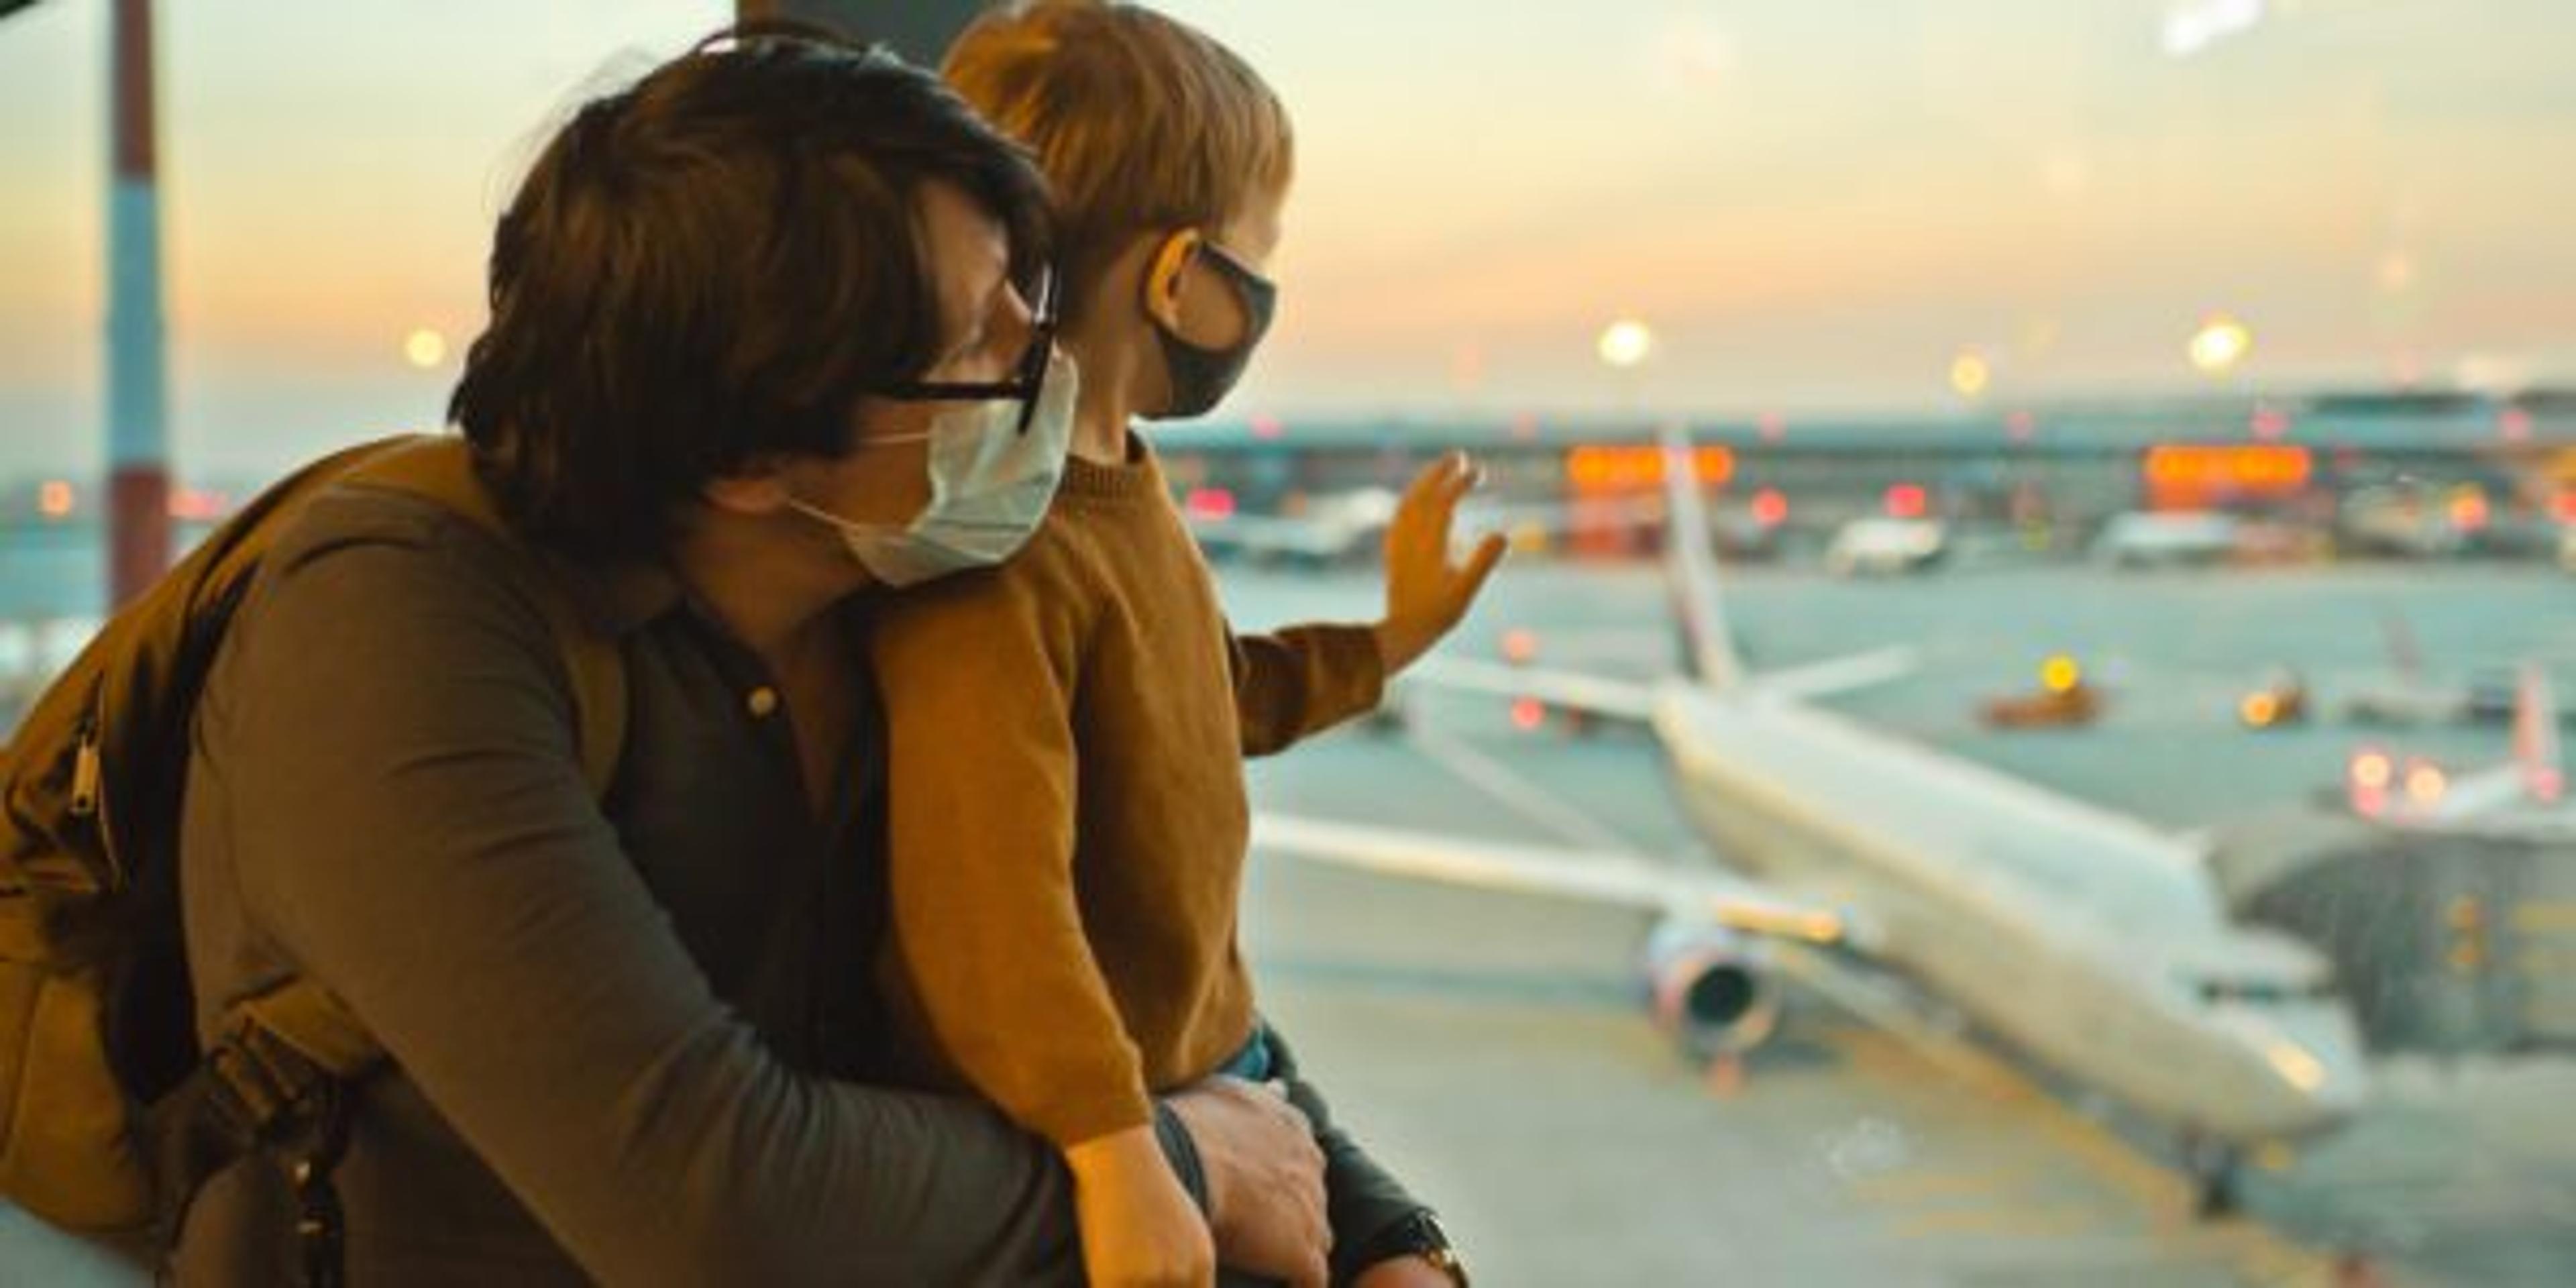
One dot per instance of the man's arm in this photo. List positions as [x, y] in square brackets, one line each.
[1363, 1199]
[395, 751]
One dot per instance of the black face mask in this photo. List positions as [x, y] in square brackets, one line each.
[1201, 377]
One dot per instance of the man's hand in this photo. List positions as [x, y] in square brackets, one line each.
[1139, 1228]
[1265, 1180]
[1427, 592]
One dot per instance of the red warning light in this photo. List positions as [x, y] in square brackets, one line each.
[1770, 507]
[1209, 503]
[1528, 714]
[1905, 501]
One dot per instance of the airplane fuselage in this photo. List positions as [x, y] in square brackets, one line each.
[2070, 931]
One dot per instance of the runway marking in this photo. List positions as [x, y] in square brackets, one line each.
[2160, 1196]
[2058, 1222]
[2534, 916]
[1917, 1186]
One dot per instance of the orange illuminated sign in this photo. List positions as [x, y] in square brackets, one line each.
[1600, 468]
[2181, 474]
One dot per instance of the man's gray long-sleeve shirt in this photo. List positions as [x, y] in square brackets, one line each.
[630, 1041]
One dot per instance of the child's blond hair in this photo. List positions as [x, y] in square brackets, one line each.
[1142, 123]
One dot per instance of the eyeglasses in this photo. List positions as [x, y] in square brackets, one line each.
[1024, 384]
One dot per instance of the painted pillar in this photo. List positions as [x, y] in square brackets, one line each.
[138, 447]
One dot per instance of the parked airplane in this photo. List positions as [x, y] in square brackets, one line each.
[1333, 528]
[2141, 539]
[2522, 799]
[1881, 547]
[2086, 938]
[2409, 695]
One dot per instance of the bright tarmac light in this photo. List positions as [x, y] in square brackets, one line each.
[424, 348]
[1626, 342]
[2425, 784]
[2060, 674]
[2219, 344]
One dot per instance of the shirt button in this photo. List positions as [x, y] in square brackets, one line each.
[762, 701]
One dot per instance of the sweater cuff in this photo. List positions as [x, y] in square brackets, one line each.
[1356, 672]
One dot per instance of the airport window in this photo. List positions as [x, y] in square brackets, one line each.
[2039, 549]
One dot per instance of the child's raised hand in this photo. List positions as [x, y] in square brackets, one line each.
[1427, 591]
[1139, 1227]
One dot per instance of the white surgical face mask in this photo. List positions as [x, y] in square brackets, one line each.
[990, 486]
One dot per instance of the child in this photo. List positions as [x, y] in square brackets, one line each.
[1068, 811]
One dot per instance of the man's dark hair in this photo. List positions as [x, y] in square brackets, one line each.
[713, 265]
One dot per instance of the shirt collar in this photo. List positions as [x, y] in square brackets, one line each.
[620, 596]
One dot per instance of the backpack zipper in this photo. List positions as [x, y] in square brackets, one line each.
[86, 770]
[89, 791]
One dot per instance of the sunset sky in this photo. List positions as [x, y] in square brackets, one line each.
[1813, 203]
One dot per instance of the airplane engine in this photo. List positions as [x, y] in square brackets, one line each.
[1711, 989]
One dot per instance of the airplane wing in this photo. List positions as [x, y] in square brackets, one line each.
[1602, 877]
[1569, 690]
[1841, 675]
[1633, 701]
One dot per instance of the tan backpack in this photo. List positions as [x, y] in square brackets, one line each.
[111, 1114]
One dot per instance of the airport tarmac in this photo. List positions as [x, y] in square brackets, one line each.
[1493, 1047]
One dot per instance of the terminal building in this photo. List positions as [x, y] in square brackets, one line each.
[2504, 468]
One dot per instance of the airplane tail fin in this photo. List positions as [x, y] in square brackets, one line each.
[2535, 735]
[1692, 567]
[2403, 652]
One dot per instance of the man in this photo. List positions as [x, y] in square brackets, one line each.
[743, 314]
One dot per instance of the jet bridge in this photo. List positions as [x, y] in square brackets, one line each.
[2447, 945]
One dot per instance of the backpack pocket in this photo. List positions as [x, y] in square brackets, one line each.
[67, 1147]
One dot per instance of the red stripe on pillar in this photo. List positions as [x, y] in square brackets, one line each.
[134, 159]
[139, 524]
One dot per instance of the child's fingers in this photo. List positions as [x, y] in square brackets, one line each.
[1481, 565]
[1429, 478]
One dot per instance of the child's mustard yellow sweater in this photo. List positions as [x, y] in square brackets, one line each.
[1066, 735]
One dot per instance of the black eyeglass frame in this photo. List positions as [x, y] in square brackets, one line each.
[1024, 385]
